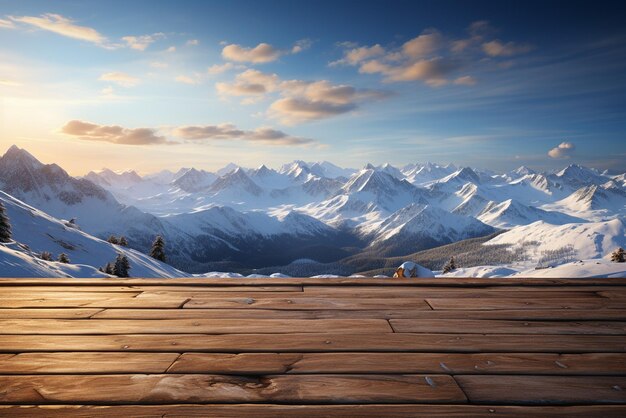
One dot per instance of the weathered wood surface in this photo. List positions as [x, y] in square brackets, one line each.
[313, 347]
[313, 411]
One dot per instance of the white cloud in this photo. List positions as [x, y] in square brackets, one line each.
[497, 48]
[357, 55]
[301, 100]
[466, 80]
[262, 53]
[114, 134]
[253, 84]
[563, 150]
[424, 45]
[140, 43]
[122, 79]
[430, 57]
[301, 45]
[7, 24]
[195, 79]
[193, 42]
[222, 68]
[62, 26]
[227, 131]
[171, 49]
[433, 72]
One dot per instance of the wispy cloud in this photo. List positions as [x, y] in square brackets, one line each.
[122, 79]
[186, 79]
[192, 42]
[264, 135]
[62, 26]
[262, 53]
[140, 43]
[497, 48]
[114, 134]
[222, 68]
[430, 57]
[7, 24]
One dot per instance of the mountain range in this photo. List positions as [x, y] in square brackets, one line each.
[239, 219]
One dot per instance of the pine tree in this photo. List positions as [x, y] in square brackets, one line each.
[123, 241]
[46, 255]
[121, 266]
[108, 269]
[5, 226]
[113, 240]
[63, 258]
[158, 249]
[450, 265]
[618, 256]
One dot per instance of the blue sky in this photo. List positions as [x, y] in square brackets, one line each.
[147, 85]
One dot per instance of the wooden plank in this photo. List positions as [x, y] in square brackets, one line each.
[193, 388]
[520, 314]
[535, 303]
[434, 292]
[512, 289]
[480, 326]
[311, 411]
[190, 326]
[76, 313]
[140, 301]
[559, 390]
[132, 288]
[447, 363]
[344, 281]
[81, 363]
[310, 342]
[305, 303]
[6, 297]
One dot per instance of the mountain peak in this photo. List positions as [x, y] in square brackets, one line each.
[17, 154]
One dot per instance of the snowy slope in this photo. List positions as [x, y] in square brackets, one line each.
[41, 232]
[511, 213]
[594, 268]
[425, 220]
[15, 261]
[588, 240]
[593, 202]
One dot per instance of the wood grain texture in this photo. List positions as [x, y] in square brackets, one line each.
[313, 347]
[447, 363]
[313, 411]
[191, 326]
[562, 315]
[527, 390]
[479, 326]
[303, 303]
[315, 342]
[192, 388]
[87, 363]
[530, 303]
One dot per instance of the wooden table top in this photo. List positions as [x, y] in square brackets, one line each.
[343, 347]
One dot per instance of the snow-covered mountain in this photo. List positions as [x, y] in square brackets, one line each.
[238, 217]
[50, 189]
[422, 226]
[511, 213]
[35, 231]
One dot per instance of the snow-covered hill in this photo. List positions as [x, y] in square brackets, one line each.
[587, 240]
[35, 231]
